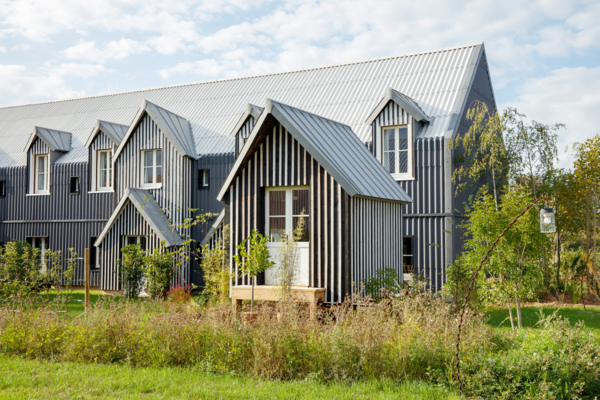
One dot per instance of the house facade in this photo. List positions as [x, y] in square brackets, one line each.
[105, 171]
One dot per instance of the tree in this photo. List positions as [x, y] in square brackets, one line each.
[253, 257]
[481, 155]
[532, 148]
[512, 273]
[587, 183]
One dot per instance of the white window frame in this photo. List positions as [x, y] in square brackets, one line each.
[46, 175]
[289, 208]
[409, 174]
[109, 175]
[154, 166]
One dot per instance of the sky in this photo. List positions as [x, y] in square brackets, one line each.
[543, 55]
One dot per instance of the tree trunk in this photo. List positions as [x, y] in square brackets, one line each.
[510, 316]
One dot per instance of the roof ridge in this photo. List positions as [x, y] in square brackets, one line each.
[245, 77]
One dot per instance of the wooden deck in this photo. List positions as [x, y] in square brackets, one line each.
[300, 294]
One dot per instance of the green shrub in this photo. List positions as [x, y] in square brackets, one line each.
[383, 283]
[132, 265]
[158, 272]
[215, 269]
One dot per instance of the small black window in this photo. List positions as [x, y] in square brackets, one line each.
[203, 178]
[2, 188]
[74, 185]
[408, 254]
[94, 259]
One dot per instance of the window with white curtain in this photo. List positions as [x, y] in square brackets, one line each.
[41, 174]
[104, 170]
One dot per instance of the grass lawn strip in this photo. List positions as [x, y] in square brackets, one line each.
[498, 317]
[21, 378]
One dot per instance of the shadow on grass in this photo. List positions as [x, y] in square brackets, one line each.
[498, 317]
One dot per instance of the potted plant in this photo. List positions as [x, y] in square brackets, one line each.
[253, 258]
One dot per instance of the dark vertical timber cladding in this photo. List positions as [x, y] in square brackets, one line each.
[426, 215]
[377, 240]
[129, 222]
[174, 196]
[242, 135]
[279, 160]
[83, 215]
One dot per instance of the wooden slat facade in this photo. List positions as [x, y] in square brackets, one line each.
[279, 160]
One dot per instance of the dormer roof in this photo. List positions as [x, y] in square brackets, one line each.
[150, 211]
[56, 140]
[251, 111]
[115, 132]
[335, 147]
[176, 128]
[405, 102]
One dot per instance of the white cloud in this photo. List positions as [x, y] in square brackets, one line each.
[114, 50]
[21, 85]
[566, 95]
[2, 49]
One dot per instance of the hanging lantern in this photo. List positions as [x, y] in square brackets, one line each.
[547, 220]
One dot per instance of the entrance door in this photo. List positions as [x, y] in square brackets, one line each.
[288, 210]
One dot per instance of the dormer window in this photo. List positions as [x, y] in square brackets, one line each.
[397, 151]
[42, 174]
[151, 168]
[104, 170]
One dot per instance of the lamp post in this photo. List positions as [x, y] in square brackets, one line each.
[547, 225]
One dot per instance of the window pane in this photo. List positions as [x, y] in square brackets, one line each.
[148, 175]
[402, 138]
[300, 202]
[390, 158]
[41, 182]
[159, 157]
[41, 164]
[277, 202]
[277, 228]
[158, 174]
[103, 162]
[388, 139]
[102, 179]
[148, 159]
[402, 161]
[303, 234]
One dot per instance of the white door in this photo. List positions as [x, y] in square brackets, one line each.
[287, 208]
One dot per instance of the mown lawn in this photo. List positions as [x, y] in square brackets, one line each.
[498, 317]
[76, 304]
[22, 378]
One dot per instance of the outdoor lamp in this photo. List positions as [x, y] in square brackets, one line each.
[547, 221]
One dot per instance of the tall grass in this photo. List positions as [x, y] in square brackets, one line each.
[401, 340]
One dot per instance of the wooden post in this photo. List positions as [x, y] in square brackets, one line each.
[86, 267]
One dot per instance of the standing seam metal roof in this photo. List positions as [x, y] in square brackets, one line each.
[336, 148]
[436, 80]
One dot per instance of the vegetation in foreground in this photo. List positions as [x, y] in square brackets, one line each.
[395, 341]
[22, 378]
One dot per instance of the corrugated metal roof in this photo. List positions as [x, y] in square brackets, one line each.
[150, 211]
[436, 80]
[335, 147]
[56, 140]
